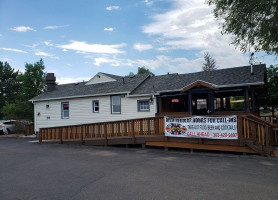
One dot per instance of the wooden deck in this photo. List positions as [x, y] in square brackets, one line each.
[254, 135]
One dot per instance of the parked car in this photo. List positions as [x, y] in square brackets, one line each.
[7, 127]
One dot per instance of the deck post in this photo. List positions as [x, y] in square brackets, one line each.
[267, 140]
[239, 128]
[156, 125]
[81, 135]
[60, 135]
[105, 135]
[246, 100]
[40, 135]
[148, 127]
[132, 132]
[253, 131]
[189, 102]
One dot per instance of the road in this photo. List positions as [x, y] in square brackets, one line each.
[29, 170]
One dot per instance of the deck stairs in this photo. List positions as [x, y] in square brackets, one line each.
[259, 136]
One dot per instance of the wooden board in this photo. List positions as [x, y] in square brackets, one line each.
[201, 146]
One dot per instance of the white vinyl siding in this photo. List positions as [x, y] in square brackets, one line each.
[81, 113]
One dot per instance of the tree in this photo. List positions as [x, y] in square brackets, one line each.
[9, 86]
[272, 85]
[210, 63]
[32, 83]
[250, 22]
[141, 70]
[33, 80]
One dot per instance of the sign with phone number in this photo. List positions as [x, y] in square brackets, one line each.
[202, 127]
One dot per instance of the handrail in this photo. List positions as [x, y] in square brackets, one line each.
[252, 131]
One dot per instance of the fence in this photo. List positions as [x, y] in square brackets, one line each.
[252, 132]
[29, 129]
[125, 128]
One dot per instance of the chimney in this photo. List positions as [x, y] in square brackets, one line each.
[50, 81]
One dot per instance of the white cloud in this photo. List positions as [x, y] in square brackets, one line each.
[22, 28]
[112, 8]
[6, 59]
[151, 63]
[41, 53]
[148, 2]
[109, 29]
[83, 47]
[55, 27]
[64, 80]
[100, 60]
[15, 50]
[1, 35]
[190, 25]
[33, 46]
[48, 43]
[142, 47]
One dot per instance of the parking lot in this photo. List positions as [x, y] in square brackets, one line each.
[29, 170]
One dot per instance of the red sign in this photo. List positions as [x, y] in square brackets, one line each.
[175, 100]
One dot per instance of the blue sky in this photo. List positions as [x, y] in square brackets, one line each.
[78, 38]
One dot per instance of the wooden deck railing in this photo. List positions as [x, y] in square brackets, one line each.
[125, 128]
[271, 119]
[253, 132]
[258, 134]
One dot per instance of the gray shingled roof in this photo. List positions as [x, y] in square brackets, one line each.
[145, 84]
[121, 85]
[218, 78]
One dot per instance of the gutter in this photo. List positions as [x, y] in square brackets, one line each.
[141, 95]
[73, 97]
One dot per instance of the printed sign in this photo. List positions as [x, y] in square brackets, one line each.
[202, 127]
[175, 100]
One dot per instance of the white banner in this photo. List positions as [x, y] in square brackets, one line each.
[202, 127]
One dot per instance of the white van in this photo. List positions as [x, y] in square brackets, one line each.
[7, 127]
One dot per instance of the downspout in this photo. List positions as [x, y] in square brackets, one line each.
[35, 117]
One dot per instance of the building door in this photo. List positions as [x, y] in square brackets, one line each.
[201, 104]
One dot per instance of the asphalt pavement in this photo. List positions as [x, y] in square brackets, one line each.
[29, 170]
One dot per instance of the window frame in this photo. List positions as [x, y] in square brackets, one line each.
[111, 104]
[63, 111]
[94, 106]
[139, 104]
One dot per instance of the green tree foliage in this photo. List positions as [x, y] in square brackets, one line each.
[32, 83]
[210, 63]
[237, 103]
[9, 86]
[33, 80]
[141, 70]
[251, 22]
[272, 85]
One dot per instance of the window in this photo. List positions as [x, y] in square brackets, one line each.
[143, 105]
[95, 106]
[65, 110]
[116, 104]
